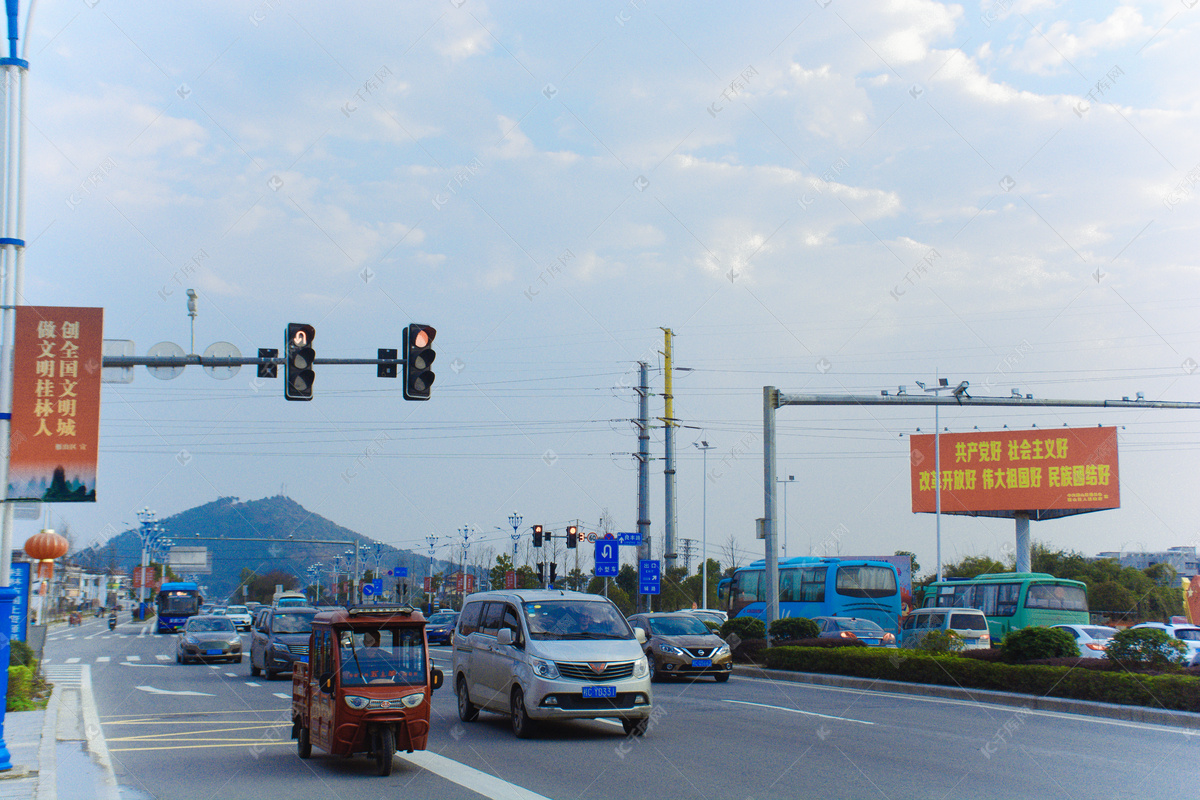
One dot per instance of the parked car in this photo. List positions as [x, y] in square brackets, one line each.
[1188, 634]
[681, 644]
[708, 615]
[1093, 640]
[538, 655]
[969, 624]
[240, 615]
[208, 637]
[864, 630]
[279, 640]
[439, 628]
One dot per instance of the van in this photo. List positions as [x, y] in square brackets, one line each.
[969, 623]
[549, 655]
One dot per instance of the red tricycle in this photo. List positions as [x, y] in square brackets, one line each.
[74, 619]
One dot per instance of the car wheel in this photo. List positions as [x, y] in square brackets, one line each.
[722, 677]
[303, 743]
[254, 671]
[271, 673]
[467, 711]
[635, 727]
[654, 676]
[522, 725]
[385, 749]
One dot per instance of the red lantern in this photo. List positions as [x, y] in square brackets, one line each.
[46, 545]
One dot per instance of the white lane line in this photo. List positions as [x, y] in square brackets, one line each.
[282, 696]
[133, 658]
[153, 690]
[798, 711]
[162, 657]
[610, 722]
[231, 674]
[102, 659]
[469, 777]
[73, 660]
[252, 683]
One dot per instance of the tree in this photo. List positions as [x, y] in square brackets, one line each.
[912, 557]
[496, 574]
[1112, 597]
[971, 566]
[627, 579]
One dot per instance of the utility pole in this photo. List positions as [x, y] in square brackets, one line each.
[687, 555]
[669, 554]
[643, 470]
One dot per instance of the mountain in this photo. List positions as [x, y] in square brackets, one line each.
[276, 523]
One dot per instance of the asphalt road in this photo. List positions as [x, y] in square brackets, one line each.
[201, 731]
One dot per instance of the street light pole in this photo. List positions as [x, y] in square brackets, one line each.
[704, 447]
[943, 386]
[515, 520]
[146, 517]
[432, 541]
[790, 478]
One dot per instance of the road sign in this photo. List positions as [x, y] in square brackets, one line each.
[591, 537]
[607, 558]
[634, 539]
[373, 588]
[398, 572]
[649, 577]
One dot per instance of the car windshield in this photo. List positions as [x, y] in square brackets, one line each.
[678, 626]
[1100, 633]
[293, 623]
[1188, 634]
[442, 619]
[237, 610]
[572, 619]
[395, 656]
[864, 625]
[209, 625]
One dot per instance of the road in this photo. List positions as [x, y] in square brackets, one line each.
[213, 731]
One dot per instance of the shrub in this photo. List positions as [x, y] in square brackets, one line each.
[743, 628]
[748, 651]
[1145, 648]
[20, 654]
[795, 628]
[1036, 642]
[937, 642]
[20, 689]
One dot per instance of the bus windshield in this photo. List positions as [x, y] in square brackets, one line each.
[178, 603]
[391, 656]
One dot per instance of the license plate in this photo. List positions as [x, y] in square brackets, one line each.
[701, 662]
[213, 652]
[599, 691]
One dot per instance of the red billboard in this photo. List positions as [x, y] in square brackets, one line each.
[56, 404]
[1063, 470]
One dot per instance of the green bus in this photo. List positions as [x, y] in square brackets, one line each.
[1013, 600]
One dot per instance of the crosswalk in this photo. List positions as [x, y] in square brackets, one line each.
[63, 674]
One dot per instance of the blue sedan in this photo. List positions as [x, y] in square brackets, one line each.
[440, 627]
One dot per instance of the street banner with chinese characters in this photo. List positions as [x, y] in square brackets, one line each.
[1053, 470]
[56, 404]
[143, 577]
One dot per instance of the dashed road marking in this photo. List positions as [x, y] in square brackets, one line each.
[162, 657]
[102, 659]
[133, 658]
[73, 660]
[282, 696]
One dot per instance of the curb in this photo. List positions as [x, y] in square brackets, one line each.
[47, 785]
[1114, 711]
[96, 745]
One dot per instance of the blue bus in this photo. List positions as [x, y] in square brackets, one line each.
[174, 604]
[818, 587]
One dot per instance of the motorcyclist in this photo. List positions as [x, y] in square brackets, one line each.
[112, 620]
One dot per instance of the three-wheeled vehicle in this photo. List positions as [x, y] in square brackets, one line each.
[366, 686]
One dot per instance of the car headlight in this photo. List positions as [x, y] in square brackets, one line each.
[667, 648]
[279, 646]
[356, 702]
[720, 651]
[544, 669]
[413, 700]
[641, 668]
[191, 640]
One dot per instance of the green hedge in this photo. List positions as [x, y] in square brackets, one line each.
[20, 689]
[1177, 692]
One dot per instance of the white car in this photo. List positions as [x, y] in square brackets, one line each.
[1188, 634]
[239, 616]
[1092, 639]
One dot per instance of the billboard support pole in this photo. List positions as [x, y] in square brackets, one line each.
[1024, 559]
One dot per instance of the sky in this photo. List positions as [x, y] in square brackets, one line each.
[827, 197]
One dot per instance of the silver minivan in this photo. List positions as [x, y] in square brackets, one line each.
[538, 655]
[969, 623]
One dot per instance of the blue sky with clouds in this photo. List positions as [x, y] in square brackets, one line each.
[822, 196]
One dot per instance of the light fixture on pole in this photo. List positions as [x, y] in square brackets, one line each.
[959, 391]
[790, 479]
[431, 539]
[703, 446]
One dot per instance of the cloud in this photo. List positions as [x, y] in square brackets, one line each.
[1049, 50]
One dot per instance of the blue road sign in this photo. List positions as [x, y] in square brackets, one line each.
[649, 577]
[19, 580]
[634, 539]
[398, 572]
[607, 558]
[373, 589]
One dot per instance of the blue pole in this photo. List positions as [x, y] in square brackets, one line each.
[7, 596]
[11, 7]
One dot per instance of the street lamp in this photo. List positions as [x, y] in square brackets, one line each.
[432, 540]
[704, 447]
[960, 390]
[146, 518]
[515, 520]
[465, 530]
[790, 478]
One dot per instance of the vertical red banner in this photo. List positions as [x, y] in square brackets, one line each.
[510, 580]
[55, 433]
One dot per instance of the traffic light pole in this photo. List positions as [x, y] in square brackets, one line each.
[214, 361]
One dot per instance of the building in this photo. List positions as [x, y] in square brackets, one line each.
[1184, 559]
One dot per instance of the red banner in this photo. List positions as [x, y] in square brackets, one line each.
[1037, 470]
[56, 404]
[510, 580]
[143, 577]
[428, 583]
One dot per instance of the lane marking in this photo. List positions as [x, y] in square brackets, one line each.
[798, 711]
[282, 696]
[231, 674]
[252, 683]
[469, 777]
[151, 737]
[133, 658]
[143, 666]
[162, 657]
[73, 660]
[186, 693]
[236, 743]
[102, 659]
[170, 715]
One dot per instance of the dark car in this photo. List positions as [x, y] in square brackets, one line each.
[440, 627]
[681, 644]
[863, 630]
[279, 640]
[208, 637]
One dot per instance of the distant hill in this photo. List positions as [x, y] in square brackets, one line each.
[280, 520]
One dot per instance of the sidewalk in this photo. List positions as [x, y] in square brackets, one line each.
[59, 753]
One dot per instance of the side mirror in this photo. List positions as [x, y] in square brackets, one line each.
[436, 678]
[325, 682]
[640, 635]
[504, 636]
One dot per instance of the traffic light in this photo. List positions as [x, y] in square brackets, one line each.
[537, 535]
[541, 571]
[298, 365]
[553, 571]
[572, 537]
[418, 361]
